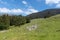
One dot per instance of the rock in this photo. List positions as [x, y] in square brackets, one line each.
[33, 27]
[3, 31]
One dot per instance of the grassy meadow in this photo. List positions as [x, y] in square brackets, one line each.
[47, 29]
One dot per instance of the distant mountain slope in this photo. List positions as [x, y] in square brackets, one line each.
[44, 14]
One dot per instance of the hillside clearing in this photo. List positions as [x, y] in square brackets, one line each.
[47, 29]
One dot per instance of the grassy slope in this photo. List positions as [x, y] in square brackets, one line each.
[47, 30]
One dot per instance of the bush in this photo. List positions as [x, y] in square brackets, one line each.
[3, 27]
[27, 20]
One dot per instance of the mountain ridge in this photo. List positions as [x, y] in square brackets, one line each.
[45, 13]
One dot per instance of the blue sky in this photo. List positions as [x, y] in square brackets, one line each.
[26, 7]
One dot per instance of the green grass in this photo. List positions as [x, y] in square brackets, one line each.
[48, 29]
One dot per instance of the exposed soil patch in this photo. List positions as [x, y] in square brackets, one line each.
[32, 27]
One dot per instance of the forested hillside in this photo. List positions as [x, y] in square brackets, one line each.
[44, 14]
[6, 21]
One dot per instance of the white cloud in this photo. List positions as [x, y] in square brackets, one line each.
[24, 2]
[18, 11]
[52, 1]
[4, 10]
[30, 10]
[26, 11]
[14, 11]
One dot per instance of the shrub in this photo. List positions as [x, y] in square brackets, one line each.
[3, 27]
[27, 20]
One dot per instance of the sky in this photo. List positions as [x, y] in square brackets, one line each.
[26, 7]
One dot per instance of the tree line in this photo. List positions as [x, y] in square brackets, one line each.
[6, 21]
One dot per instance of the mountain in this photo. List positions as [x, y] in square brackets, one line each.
[44, 14]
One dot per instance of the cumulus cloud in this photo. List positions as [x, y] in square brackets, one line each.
[30, 10]
[52, 1]
[26, 11]
[6, 10]
[24, 2]
[18, 11]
